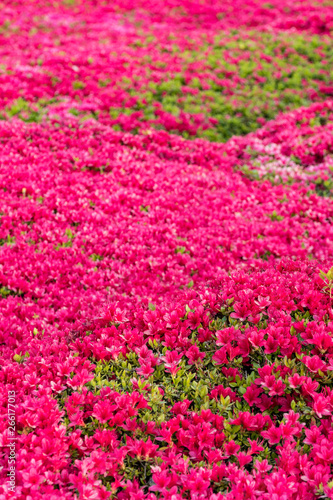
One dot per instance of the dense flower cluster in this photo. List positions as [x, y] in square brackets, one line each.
[295, 147]
[166, 315]
[228, 390]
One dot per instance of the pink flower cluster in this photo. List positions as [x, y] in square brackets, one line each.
[287, 407]
[296, 146]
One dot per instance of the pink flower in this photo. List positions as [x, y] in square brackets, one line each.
[255, 447]
[321, 405]
[252, 394]
[309, 386]
[197, 481]
[231, 448]
[225, 392]
[295, 380]
[103, 411]
[162, 481]
[220, 357]
[262, 467]
[80, 379]
[31, 478]
[324, 451]
[262, 302]
[314, 363]
[194, 355]
[241, 311]
[145, 370]
[277, 389]
[243, 459]
[181, 407]
[273, 434]
[171, 361]
[312, 435]
[141, 449]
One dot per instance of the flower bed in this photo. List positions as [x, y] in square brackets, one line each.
[166, 303]
[222, 71]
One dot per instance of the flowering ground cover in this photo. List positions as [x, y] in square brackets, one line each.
[198, 71]
[166, 300]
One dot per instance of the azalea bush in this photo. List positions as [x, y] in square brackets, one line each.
[296, 147]
[225, 394]
[166, 249]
